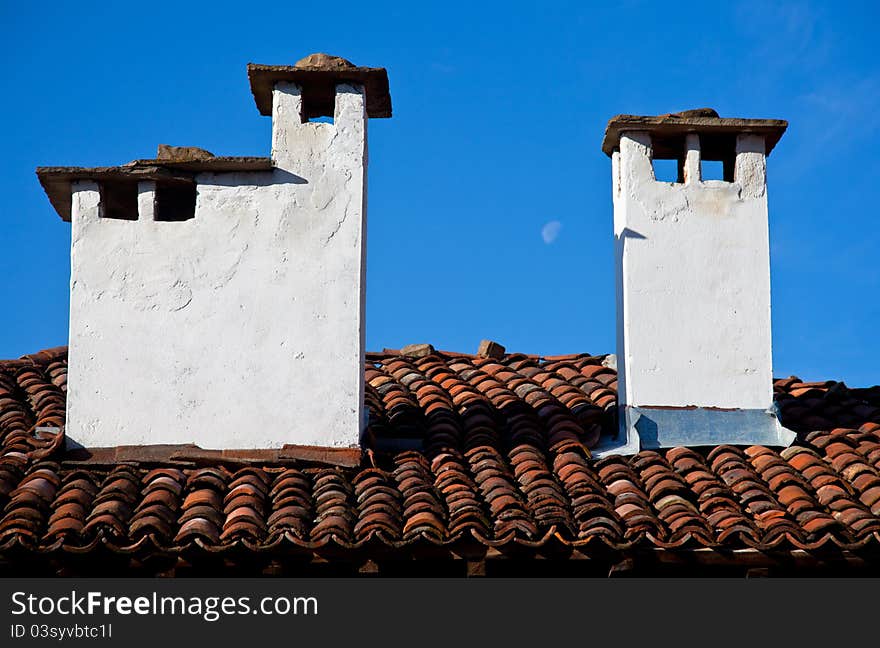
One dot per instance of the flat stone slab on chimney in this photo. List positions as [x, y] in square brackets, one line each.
[317, 76]
[56, 180]
[672, 124]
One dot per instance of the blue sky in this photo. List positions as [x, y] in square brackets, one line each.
[489, 206]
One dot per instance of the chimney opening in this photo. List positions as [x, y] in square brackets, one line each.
[319, 105]
[175, 202]
[667, 158]
[717, 156]
[712, 170]
[667, 170]
[119, 200]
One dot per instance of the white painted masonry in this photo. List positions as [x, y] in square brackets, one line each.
[693, 284]
[242, 327]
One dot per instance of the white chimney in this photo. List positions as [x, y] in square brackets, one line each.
[219, 301]
[693, 282]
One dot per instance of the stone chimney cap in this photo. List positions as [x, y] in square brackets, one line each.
[317, 75]
[321, 61]
[694, 112]
[704, 121]
[182, 153]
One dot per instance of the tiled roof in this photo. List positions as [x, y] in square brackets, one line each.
[468, 457]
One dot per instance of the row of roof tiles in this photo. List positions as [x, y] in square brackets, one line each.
[804, 497]
[502, 461]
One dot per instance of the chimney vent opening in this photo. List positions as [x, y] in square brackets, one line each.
[717, 156]
[319, 103]
[712, 170]
[176, 202]
[119, 200]
[667, 158]
[666, 170]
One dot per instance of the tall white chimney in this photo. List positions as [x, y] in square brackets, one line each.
[219, 301]
[693, 282]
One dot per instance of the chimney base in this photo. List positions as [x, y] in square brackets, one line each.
[624, 444]
[667, 427]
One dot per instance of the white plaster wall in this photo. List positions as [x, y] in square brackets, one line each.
[693, 281]
[240, 328]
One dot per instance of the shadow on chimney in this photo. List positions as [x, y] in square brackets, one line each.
[261, 179]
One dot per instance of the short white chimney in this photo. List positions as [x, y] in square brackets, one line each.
[219, 301]
[693, 282]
